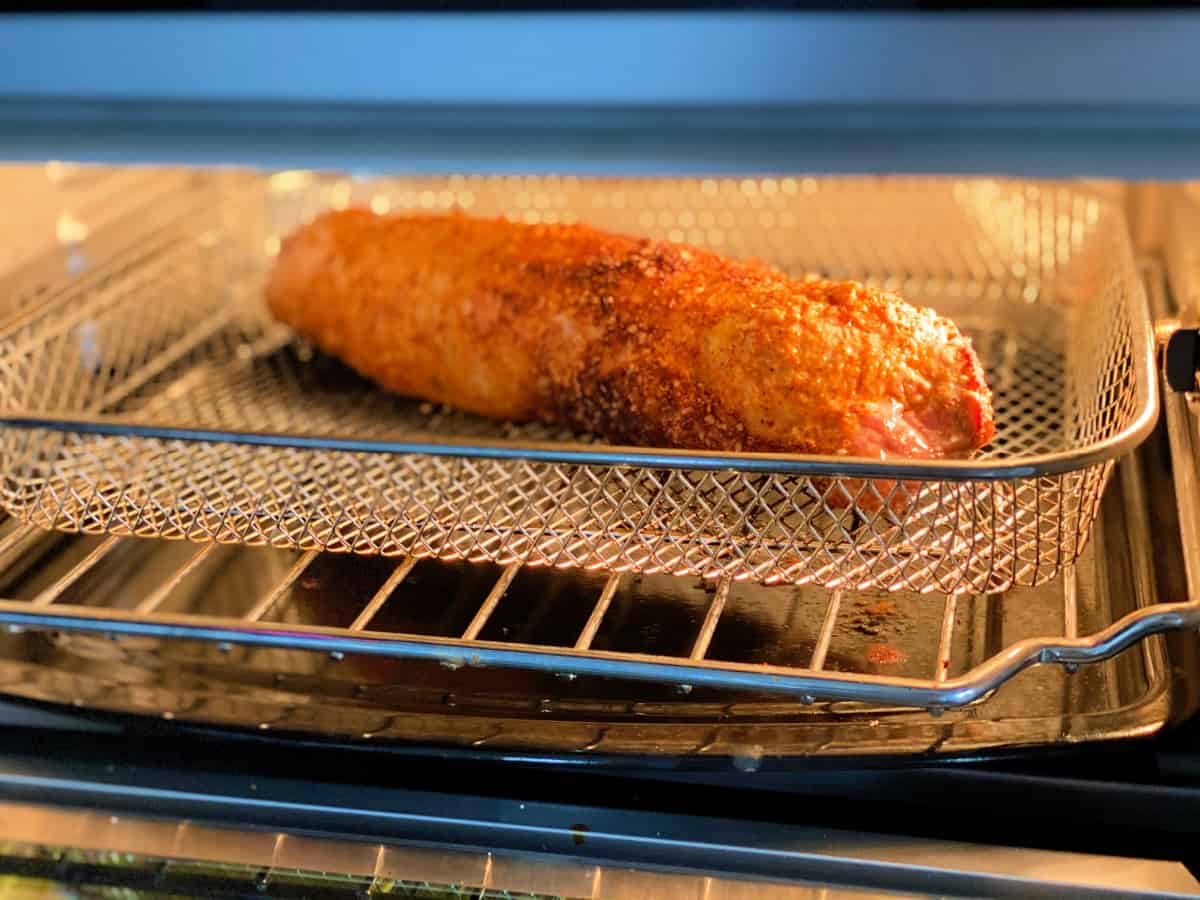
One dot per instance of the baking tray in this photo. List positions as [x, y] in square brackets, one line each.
[162, 401]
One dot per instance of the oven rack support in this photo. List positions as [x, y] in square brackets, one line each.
[807, 685]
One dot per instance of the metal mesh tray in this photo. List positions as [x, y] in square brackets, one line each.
[155, 397]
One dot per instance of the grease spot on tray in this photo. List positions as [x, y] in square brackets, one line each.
[884, 655]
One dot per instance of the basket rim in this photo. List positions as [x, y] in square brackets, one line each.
[1033, 466]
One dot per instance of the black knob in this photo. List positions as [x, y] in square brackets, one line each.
[1181, 359]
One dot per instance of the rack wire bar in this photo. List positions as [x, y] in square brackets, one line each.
[14, 542]
[711, 618]
[821, 650]
[81, 568]
[1070, 602]
[958, 691]
[272, 596]
[155, 599]
[588, 634]
[491, 602]
[385, 591]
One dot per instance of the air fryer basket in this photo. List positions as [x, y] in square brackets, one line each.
[156, 398]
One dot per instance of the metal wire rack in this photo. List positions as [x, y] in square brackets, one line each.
[158, 401]
[691, 668]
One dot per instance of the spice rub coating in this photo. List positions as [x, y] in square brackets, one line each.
[637, 341]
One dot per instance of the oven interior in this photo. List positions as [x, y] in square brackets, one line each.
[229, 721]
[155, 673]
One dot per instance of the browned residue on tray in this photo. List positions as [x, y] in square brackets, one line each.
[873, 615]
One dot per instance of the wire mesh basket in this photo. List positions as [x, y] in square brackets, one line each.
[154, 396]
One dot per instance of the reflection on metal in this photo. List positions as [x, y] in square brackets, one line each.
[188, 856]
[185, 856]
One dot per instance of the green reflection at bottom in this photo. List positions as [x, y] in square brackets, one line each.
[30, 872]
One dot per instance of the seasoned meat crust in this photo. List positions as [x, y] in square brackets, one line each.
[637, 341]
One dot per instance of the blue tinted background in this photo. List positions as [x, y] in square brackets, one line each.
[1103, 93]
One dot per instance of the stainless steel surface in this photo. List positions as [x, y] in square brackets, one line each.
[166, 405]
[172, 853]
[551, 848]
